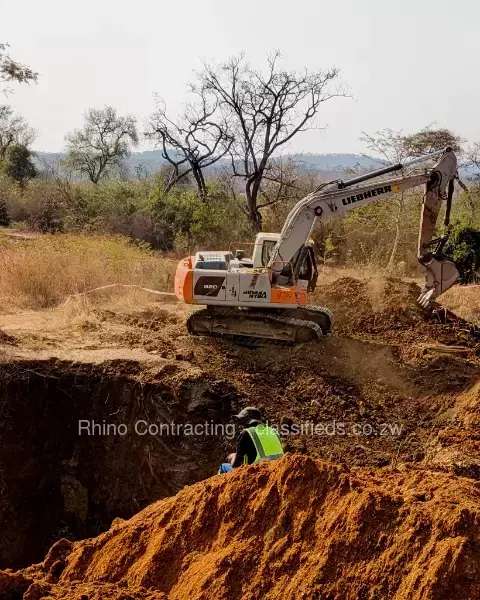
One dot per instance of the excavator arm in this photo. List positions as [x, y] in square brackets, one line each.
[336, 198]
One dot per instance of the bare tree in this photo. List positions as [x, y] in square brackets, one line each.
[14, 130]
[10, 70]
[280, 183]
[100, 147]
[142, 171]
[192, 143]
[472, 165]
[264, 112]
[395, 147]
[473, 160]
[52, 171]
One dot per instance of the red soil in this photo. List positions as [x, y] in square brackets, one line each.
[293, 529]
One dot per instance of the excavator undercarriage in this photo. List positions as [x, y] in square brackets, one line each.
[254, 326]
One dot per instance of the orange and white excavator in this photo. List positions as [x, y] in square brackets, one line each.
[265, 297]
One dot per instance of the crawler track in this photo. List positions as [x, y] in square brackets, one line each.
[256, 327]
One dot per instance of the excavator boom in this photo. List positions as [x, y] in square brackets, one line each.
[333, 199]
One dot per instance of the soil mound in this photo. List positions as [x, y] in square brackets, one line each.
[372, 306]
[386, 308]
[457, 447]
[293, 529]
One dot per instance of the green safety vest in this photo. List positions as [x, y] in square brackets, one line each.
[267, 443]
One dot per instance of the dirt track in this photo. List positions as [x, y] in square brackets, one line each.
[404, 386]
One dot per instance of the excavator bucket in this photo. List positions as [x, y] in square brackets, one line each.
[440, 276]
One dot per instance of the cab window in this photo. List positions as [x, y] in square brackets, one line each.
[267, 250]
[215, 265]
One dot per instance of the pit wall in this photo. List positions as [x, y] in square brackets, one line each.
[61, 479]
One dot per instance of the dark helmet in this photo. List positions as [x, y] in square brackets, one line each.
[249, 413]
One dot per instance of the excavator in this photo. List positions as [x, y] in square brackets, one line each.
[265, 297]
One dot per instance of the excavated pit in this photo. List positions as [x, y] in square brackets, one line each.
[55, 482]
[387, 363]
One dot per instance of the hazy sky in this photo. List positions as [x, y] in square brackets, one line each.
[407, 63]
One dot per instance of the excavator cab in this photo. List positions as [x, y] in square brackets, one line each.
[301, 270]
[263, 248]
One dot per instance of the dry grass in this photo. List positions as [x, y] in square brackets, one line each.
[464, 301]
[43, 272]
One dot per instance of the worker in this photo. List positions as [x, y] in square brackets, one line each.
[256, 442]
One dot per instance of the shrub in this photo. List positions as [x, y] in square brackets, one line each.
[464, 249]
[43, 206]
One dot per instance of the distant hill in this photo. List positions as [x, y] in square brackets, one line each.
[322, 162]
[326, 164]
[152, 160]
[337, 162]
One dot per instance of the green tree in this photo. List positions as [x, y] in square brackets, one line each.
[464, 249]
[4, 215]
[18, 165]
[11, 70]
[99, 149]
[14, 130]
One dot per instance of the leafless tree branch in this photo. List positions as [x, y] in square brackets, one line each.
[195, 139]
[264, 112]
